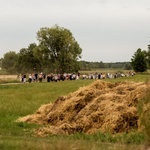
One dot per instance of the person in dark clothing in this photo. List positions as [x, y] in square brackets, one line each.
[40, 77]
[36, 77]
[99, 76]
[48, 78]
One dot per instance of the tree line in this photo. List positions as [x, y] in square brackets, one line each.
[57, 51]
[140, 62]
[86, 65]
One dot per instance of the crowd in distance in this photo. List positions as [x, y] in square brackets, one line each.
[41, 77]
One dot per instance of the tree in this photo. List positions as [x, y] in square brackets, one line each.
[148, 56]
[138, 61]
[1, 63]
[9, 62]
[101, 65]
[127, 66]
[58, 49]
[27, 62]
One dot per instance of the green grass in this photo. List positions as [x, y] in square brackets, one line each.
[61, 143]
[23, 99]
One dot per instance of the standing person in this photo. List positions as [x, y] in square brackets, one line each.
[48, 78]
[20, 77]
[36, 77]
[40, 77]
[33, 77]
[99, 76]
[30, 78]
[44, 76]
[24, 78]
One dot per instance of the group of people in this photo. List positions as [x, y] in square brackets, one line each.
[106, 75]
[35, 77]
[31, 77]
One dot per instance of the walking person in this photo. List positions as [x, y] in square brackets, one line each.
[24, 78]
[30, 78]
[40, 77]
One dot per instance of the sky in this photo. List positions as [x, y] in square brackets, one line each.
[106, 30]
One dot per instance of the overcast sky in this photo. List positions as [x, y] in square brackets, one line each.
[106, 30]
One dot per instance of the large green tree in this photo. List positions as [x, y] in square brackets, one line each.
[58, 49]
[138, 61]
[27, 62]
[9, 62]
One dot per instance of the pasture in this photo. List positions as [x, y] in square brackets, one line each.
[22, 99]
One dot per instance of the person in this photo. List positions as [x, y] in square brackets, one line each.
[24, 78]
[36, 77]
[40, 77]
[99, 76]
[20, 78]
[30, 78]
[48, 78]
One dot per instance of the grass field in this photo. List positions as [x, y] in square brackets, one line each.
[22, 99]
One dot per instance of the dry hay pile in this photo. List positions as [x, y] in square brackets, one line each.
[100, 106]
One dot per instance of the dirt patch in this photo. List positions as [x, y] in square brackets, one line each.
[100, 106]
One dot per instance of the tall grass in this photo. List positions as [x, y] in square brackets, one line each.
[59, 143]
[144, 113]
